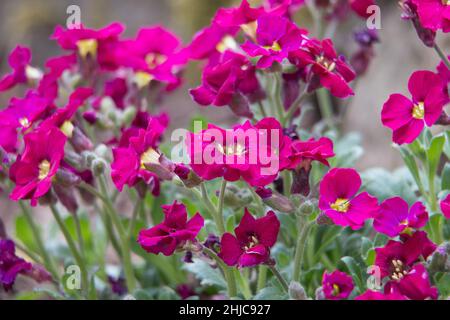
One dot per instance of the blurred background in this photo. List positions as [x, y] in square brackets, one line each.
[31, 22]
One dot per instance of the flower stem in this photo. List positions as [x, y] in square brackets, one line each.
[261, 109]
[294, 107]
[72, 247]
[280, 278]
[287, 182]
[223, 188]
[303, 227]
[277, 97]
[325, 107]
[125, 247]
[442, 55]
[262, 277]
[48, 262]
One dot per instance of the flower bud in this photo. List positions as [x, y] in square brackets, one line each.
[319, 294]
[74, 159]
[307, 207]
[90, 117]
[67, 178]
[190, 178]
[164, 169]
[102, 151]
[440, 260]
[279, 202]
[80, 141]
[323, 219]
[98, 167]
[67, 197]
[128, 116]
[296, 291]
[87, 158]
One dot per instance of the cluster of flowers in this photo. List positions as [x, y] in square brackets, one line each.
[48, 149]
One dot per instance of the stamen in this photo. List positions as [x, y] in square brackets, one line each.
[44, 169]
[149, 156]
[87, 47]
[340, 205]
[418, 111]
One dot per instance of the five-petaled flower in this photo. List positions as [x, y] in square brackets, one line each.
[173, 232]
[250, 246]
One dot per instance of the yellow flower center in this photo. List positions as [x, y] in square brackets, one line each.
[336, 290]
[44, 169]
[149, 156]
[142, 79]
[155, 59]
[327, 64]
[227, 43]
[250, 29]
[340, 205]
[33, 73]
[253, 241]
[418, 111]
[275, 47]
[87, 47]
[67, 128]
[24, 122]
[232, 150]
[398, 270]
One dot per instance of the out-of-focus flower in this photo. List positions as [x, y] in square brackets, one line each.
[97, 45]
[276, 37]
[339, 199]
[327, 68]
[407, 117]
[252, 241]
[222, 83]
[376, 295]
[11, 266]
[434, 14]
[337, 285]
[361, 59]
[19, 60]
[393, 217]
[445, 206]
[410, 13]
[34, 170]
[255, 153]
[173, 232]
[129, 162]
[360, 7]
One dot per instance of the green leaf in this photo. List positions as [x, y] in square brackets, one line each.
[270, 293]
[434, 153]
[355, 271]
[445, 180]
[25, 234]
[206, 274]
[410, 162]
[366, 245]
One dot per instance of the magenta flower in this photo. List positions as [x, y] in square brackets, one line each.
[304, 152]
[339, 199]
[211, 42]
[10, 264]
[255, 153]
[19, 60]
[153, 55]
[98, 45]
[243, 17]
[396, 258]
[407, 117]
[129, 165]
[228, 80]
[252, 241]
[276, 37]
[327, 68]
[445, 206]
[393, 217]
[34, 170]
[62, 118]
[173, 232]
[415, 285]
[434, 14]
[360, 7]
[337, 285]
[376, 295]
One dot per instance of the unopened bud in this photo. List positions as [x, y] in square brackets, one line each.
[128, 116]
[279, 202]
[102, 151]
[296, 291]
[74, 160]
[98, 167]
[189, 177]
[80, 141]
[163, 168]
[90, 117]
[323, 219]
[67, 178]
[67, 197]
[87, 158]
[440, 260]
[307, 207]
